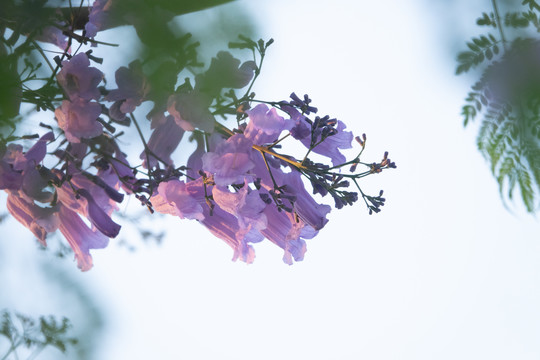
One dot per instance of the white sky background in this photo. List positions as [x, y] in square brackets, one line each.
[443, 272]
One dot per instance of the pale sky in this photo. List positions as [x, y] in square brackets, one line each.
[443, 272]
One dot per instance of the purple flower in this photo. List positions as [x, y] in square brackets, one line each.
[38, 151]
[265, 125]
[103, 194]
[33, 182]
[78, 119]
[98, 217]
[131, 92]
[78, 79]
[190, 111]
[305, 206]
[163, 141]
[39, 220]
[330, 147]
[293, 192]
[230, 161]
[223, 224]
[287, 232]
[80, 237]
[245, 204]
[97, 19]
[55, 36]
[173, 198]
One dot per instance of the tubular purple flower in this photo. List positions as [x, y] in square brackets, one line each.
[230, 161]
[78, 79]
[55, 36]
[38, 151]
[99, 218]
[80, 237]
[245, 204]
[39, 220]
[78, 119]
[173, 198]
[132, 90]
[285, 231]
[33, 184]
[224, 225]
[311, 212]
[265, 125]
[190, 111]
[97, 19]
[32, 181]
[163, 141]
[67, 196]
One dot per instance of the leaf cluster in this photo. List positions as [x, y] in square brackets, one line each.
[507, 100]
[479, 49]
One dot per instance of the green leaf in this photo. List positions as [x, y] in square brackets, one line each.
[525, 187]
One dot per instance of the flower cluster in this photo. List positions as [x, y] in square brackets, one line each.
[239, 183]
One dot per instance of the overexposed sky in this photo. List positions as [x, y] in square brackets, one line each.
[443, 272]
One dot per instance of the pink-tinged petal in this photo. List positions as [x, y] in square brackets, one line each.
[245, 204]
[224, 225]
[173, 198]
[230, 161]
[37, 219]
[79, 120]
[285, 231]
[79, 79]
[265, 125]
[99, 218]
[190, 111]
[163, 141]
[80, 237]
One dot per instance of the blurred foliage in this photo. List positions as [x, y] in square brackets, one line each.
[506, 97]
[166, 46]
[35, 335]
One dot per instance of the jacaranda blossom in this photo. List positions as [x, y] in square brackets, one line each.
[78, 119]
[79, 79]
[132, 90]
